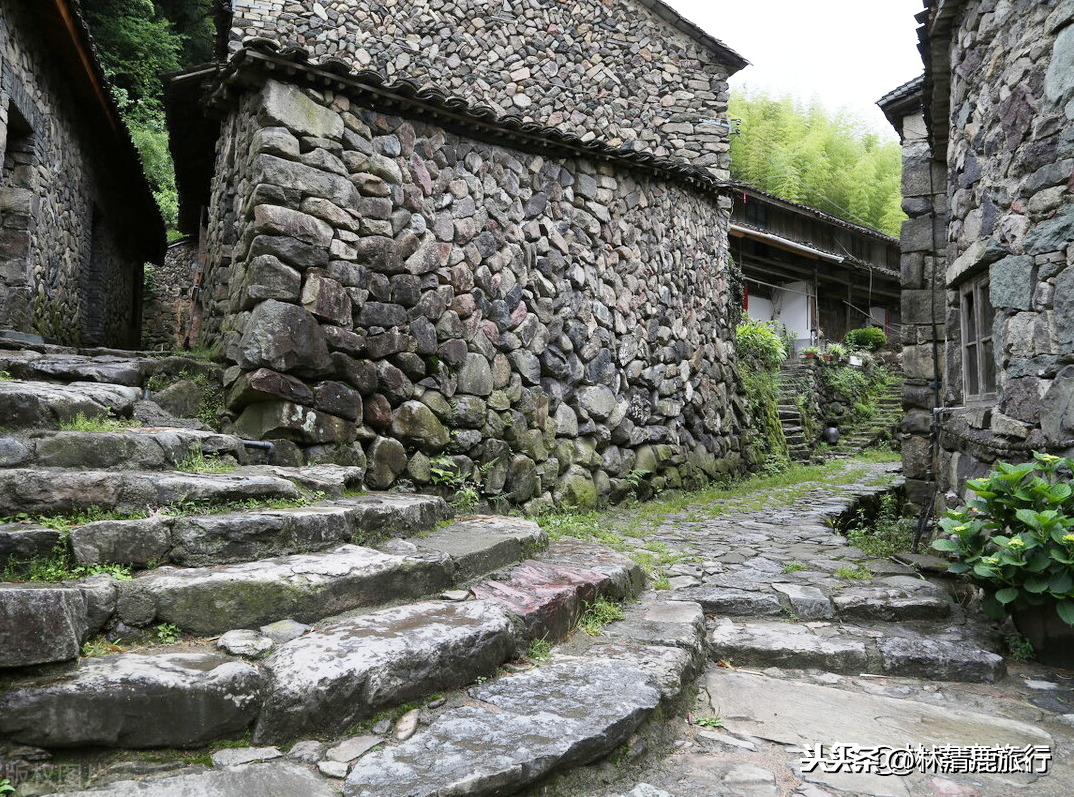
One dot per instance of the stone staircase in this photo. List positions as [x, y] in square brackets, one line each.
[880, 429]
[285, 603]
[375, 639]
[791, 374]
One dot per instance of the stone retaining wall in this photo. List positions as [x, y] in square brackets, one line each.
[65, 267]
[617, 72]
[392, 291]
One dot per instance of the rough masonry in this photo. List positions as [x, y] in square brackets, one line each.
[993, 166]
[410, 282]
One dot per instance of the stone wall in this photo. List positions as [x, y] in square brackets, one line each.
[397, 293]
[167, 301]
[65, 267]
[615, 71]
[1010, 165]
[924, 303]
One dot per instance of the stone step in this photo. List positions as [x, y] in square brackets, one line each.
[346, 669]
[37, 405]
[264, 779]
[60, 365]
[900, 650]
[51, 621]
[551, 591]
[54, 491]
[138, 448]
[228, 538]
[306, 587]
[521, 728]
[137, 701]
[59, 492]
[20, 542]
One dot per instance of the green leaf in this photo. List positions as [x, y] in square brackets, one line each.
[1061, 583]
[1007, 595]
[1065, 610]
[1036, 584]
[944, 544]
[1029, 517]
[993, 608]
[958, 568]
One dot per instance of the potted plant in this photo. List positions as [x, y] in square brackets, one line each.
[810, 352]
[837, 351]
[1015, 539]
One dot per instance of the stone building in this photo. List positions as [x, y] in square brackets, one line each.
[430, 231]
[988, 260]
[77, 218]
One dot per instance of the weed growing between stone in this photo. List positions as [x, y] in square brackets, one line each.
[60, 566]
[888, 534]
[1018, 647]
[598, 614]
[99, 646]
[80, 517]
[80, 423]
[167, 633]
[794, 567]
[210, 392]
[199, 463]
[540, 650]
[709, 722]
[857, 573]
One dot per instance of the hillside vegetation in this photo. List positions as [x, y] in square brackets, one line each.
[803, 154]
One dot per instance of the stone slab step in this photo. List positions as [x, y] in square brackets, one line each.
[626, 578]
[548, 598]
[63, 365]
[138, 448]
[57, 492]
[136, 701]
[271, 779]
[25, 541]
[796, 714]
[668, 623]
[205, 540]
[482, 544]
[40, 624]
[304, 587]
[895, 650]
[347, 670]
[519, 729]
[37, 405]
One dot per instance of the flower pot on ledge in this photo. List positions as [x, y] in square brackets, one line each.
[1052, 639]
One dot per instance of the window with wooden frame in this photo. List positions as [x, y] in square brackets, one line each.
[978, 354]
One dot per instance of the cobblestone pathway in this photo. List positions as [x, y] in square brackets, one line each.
[813, 641]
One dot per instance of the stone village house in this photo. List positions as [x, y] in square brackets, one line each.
[453, 229]
[988, 252]
[77, 217]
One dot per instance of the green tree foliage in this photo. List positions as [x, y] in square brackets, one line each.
[139, 41]
[803, 154]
